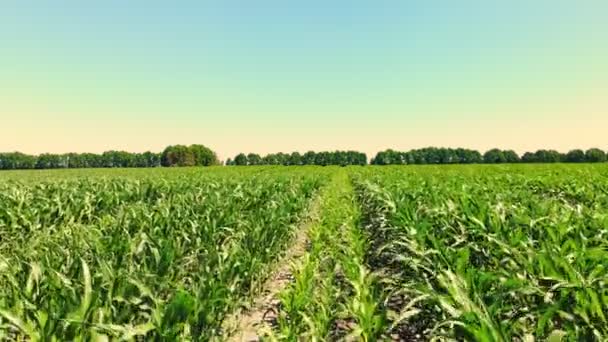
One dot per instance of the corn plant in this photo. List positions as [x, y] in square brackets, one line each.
[165, 256]
[492, 253]
[333, 295]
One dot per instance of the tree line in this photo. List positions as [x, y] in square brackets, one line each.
[199, 155]
[435, 155]
[342, 158]
[177, 155]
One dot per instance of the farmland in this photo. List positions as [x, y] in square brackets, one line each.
[467, 252]
[164, 256]
[491, 254]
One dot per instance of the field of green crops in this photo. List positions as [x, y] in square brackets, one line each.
[414, 253]
[491, 253]
[165, 255]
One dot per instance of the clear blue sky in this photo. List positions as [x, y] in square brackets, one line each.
[267, 76]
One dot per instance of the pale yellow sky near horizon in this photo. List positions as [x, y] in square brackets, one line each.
[88, 135]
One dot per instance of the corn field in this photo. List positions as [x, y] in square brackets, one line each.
[411, 253]
[163, 257]
[491, 254]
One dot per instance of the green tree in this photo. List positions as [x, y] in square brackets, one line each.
[203, 156]
[575, 156]
[295, 159]
[547, 156]
[240, 159]
[511, 156]
[529, 157]
[271, 159]
[595, 155]
[16, 161]
[178, 155]
[254, 159]
[51, 161]
[494, 156]
[388, 157]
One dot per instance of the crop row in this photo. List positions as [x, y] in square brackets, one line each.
[162, 258]
[513, 253]
[333, 295]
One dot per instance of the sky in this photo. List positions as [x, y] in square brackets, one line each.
[267, 75]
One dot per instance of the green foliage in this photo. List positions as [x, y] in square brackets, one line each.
[157, 255]
[193, 155]
[254, 159]
[575, 156]
[333, 295]
[491, 254]
[342, 158]
[428, 155]
[595, 155]
[240, 159]
[108, 159]
[497, 156]
[16, 161]
[475, 252]
[434, 155]
[545, 156]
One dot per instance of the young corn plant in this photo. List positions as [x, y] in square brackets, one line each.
[332, 296]
[513, 253]
[160, 256]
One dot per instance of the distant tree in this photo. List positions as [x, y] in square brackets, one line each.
[414, 157]
[529, 157]
[339, 158]
[388, 157]
[270, 159]
[240, 159]
[309, 158]
[146, 159]
[356, 158]
[547, 156]
[447, 155]
[511, 156]
[180, 155]
[575, 156]
[203, 156]
[379, 158]
[405, 157]
[84, 160]
[108, 159]
[428, 155]
[254, 159]
[153, 159]
[76, 160]
[322, 159]
[467, 156]
[16, 161]
[295, 159]
[431, 154]
[595, 155]
[494, 156]
[172, 156]
[51, 161]
[118, 159]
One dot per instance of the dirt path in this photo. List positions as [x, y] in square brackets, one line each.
[250, 324]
